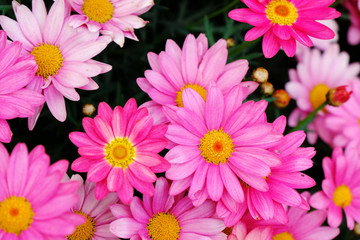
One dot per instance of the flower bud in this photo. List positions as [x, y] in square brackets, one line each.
[267, 88]
[260, 75]
[357, 229]
[337, 96]
[88, 109]
[230, 42]
[282, 98]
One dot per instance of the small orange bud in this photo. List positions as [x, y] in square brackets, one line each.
[282, 98]
[260, 75]
[88, 109]
[230, 42]
[337, 96]
[267, 88]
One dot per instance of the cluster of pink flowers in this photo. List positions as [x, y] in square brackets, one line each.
[200, 160]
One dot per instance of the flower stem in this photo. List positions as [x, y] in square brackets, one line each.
[302, 125]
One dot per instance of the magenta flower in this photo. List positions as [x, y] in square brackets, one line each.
[340, 188]
[166, 217]
[62, 54]
[119, 150]
[283, 22]
[194, 66]
[114, 18]
[15, 73]
[34, 202]
[97, 213]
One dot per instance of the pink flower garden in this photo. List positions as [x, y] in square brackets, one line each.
[169, 120]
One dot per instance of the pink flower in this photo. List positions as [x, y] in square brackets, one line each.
[63, 54]
[114, 18]
[15, 73]
[340, 188]
[283, 22]
[313, 77]
[166, 217]
[353, 35]
[97, 213]
[194, 66]
[119, 150]
[34, 203]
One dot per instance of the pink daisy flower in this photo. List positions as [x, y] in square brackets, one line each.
[166, 217]
[114, 18]
[119, 151]
[97, 213]
[353, 35]
[282, 182]
[313, 77]
[62, 54]
[340, 188]
[283, 22]
[15, 73]
[194, 66]
[34, 202]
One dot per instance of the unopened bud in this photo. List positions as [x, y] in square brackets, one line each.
[267, 88]
[88, 109]
[357, 229]
[337, 96]
[230, 42]
[260, 75]
[282, 98]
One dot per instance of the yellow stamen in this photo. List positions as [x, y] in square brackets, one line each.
[197, 88]
[317, 95]
[84, 231]
[283, 236]
[16, 215]
[281, 12]
[342, 196]
[163, 226]
[120, 152]
[99, 11]
[216, 146]
[48, 58]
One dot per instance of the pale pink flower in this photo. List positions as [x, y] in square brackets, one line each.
[166, 217]
[283, 22]
[34, 203]
[97, 213]
[340, 188]
[194, 66]
[353, 35]
[115, 18]
[119, 150]
[313, 77]
[15, 73]
[63, 54]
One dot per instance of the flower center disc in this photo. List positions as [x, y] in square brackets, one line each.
[281, 12]
[197, 88]
[342, 196]
[283, 236]
[317, 95]
[84, 231]
[216, 146]
[163, 226]
[120, 152]
[48, 58]
[99, 11]
[16, 215]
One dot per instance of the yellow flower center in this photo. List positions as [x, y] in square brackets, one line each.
[283, 236]
[48, 58]
[16, 215]
[163, 226]
[99, 11]
[317, 95]
[216, 146]
[281, 12]
[84, 231]
[120, 152]
[342, 196]
[197, 88]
